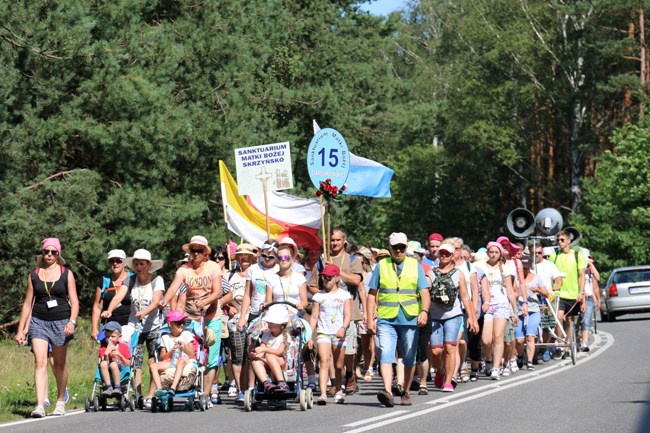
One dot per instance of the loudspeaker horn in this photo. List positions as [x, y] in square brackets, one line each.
[548, 221]
[574, 234]
[520, 222]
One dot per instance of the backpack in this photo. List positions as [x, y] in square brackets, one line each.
[443, 289]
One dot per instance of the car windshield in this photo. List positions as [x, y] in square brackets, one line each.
[632, 276]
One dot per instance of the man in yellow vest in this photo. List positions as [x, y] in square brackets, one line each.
[399, 294]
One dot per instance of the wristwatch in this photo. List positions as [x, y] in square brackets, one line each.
[74, 322]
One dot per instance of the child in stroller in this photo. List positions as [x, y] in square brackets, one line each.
[115, 357]
[177, 352]
[277, 338]
[271, 352]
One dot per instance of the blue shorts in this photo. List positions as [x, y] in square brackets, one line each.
[445, 331]
[390, 335]
[528, 325]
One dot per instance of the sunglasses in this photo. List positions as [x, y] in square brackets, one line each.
[327, 277]
[265, 257]
[179, 323]
[398, 247]
[562, 240]
[220, 258]
[284, 258]
[53, 252]
[114, 261]
[197, 250]
[444, 253]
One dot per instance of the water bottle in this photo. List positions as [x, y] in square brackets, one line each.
[176, 354]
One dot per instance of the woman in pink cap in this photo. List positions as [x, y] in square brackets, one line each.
[202, 279]
[51, 302]
[499, 305]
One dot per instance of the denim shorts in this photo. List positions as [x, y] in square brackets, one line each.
[445, 331]
[589, 314]
[51, 331]
[390, 335]
[528, 325]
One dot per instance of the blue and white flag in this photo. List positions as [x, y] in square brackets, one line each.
[367, 177]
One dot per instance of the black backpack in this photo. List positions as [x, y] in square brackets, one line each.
[443, 289]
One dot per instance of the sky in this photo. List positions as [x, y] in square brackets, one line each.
[383, 7]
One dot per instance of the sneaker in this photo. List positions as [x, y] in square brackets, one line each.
[283, 387]
[322, 400]
[423, 391]
[216, 399]
[439, 381]
[59, 410]
[147, 403]
[172, 392]
[210, 405]
[546, 356]
[505, 371]
[405, 400]
[239, 398]
[311, 386]
[339, 398]
[559, 354]
[226, 386]
[464, 374]
[66, 395]
[530, 366]
[454, 382]
[108, 392]
[488, 369]
[268, 387]
[494, 375]
[584, 348]
[397, 389]
[160, 392]
[514, 365]
[117, 392]
[232, 391]
[448, 387]
[38, 412]
[46, 402]
[385, 398]
[520, 362]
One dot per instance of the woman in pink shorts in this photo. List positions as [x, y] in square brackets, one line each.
[499, 305]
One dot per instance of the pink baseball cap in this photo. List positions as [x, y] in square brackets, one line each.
[175, 316]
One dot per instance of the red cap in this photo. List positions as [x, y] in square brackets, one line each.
[331, 271]
[436, 237]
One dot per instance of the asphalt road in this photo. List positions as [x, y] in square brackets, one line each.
[608, 390]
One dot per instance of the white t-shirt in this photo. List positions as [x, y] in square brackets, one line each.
[141, 297]
[258, 277]
[286, 288]
[236, 284]
[168, 341]
[467, 272]
[272, 341]
[498, 292]
[330, 313]
[548, 272]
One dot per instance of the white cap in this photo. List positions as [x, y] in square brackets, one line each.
[548, 251]
[397, 239]
[116, 254]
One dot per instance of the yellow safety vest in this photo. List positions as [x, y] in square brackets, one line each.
[396, 292]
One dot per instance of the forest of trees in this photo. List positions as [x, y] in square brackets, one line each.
[116, 113]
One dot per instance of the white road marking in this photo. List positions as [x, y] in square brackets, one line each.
[485, 391]
[376, 418]
[47, 418]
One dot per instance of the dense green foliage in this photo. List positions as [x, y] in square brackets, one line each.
[116, 113]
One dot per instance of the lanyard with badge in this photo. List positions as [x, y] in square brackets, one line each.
[52, 302]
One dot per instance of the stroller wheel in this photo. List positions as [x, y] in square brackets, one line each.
[87, 404]
[154, 404]
[132, 403]
[170, 404]
[123, 403]
[102, 402]
[248, 400]
[190, 403]
[303, 400]
[140, 402]
[310, 398]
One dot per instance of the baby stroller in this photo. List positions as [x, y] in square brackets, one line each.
[299, 333]
[190, 388]
[128, 397]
